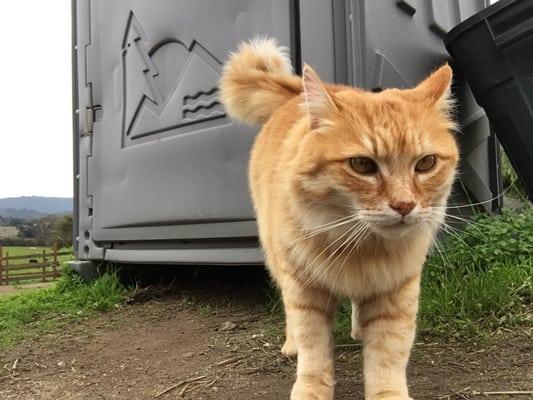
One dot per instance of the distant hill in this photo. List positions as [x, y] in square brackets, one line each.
[23, 213]
[34, 206]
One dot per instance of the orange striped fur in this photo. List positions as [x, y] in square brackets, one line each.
[330, 231]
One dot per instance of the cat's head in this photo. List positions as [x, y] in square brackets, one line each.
[388, 158]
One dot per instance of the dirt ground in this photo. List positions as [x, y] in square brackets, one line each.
[215, 332]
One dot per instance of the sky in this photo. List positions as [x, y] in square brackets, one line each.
[35, 99]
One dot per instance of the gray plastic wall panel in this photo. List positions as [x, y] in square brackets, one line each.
[75, 122]
[86, 247]
[165, 158]
[221, 230]
[160, 162]
[230, 256]
[317, 37]
[324, 38]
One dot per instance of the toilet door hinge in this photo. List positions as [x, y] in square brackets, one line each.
[91, 118]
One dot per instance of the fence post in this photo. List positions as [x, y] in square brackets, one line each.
[7, 267]
[44, 265]
[54, 261]
[1, 264]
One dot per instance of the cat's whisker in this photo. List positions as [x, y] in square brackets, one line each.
[321, 231]
[352, 218]
[332, 226]
[458, 218]
[433, 240]
[311, 228]
[356, 238]
[481, 202]
[318, 271]
[464, 220]
[352, 246]
[456, 234]
[443, 258]
[437, 211]
[310, 265]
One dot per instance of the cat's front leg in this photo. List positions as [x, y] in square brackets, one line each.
[388, 323]
[309, 320]
[356, 329]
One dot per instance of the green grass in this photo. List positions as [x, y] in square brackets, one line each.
[205, 310]
[32, 313]
[479, 281]
[510, 179]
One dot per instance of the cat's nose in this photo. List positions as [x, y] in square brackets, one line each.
[402, 207]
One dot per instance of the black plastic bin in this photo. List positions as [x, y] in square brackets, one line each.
[494, 50]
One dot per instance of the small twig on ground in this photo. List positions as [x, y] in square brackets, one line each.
[348, 345]
[458, 365]
[51, 373]
[192, 389]
[504, 392]
[460, 395]
[208, 385]
[100, 348]
[14, 367]
[182, 392]
[179, 384]
[230, 360]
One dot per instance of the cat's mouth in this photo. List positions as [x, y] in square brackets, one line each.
[397, 222]
[395, 228]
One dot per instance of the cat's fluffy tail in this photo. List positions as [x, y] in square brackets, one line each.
[257, 80]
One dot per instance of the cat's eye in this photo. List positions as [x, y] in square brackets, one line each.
[363, 165]
[426, 164]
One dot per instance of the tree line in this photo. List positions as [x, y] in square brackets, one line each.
[46, 231]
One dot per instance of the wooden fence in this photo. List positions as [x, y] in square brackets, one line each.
[35, 267]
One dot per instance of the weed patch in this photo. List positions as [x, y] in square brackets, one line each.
[476, 281]
[33, 313]
[480, 280]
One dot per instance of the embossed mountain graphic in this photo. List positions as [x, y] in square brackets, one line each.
[168, 86]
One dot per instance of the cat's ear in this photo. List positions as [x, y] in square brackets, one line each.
[437, 87]
[318, 102]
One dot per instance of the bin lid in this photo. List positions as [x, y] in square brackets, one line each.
[475, 19]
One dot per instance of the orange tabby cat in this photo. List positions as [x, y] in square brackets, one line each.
[349, 188]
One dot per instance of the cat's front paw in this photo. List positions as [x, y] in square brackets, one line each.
[312, 388]
[356, 332]
[289, 348]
